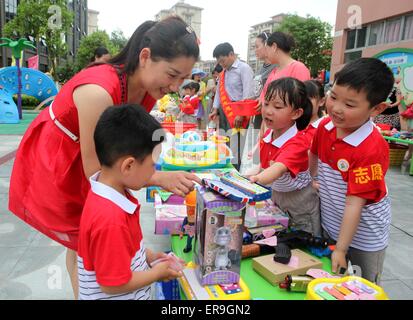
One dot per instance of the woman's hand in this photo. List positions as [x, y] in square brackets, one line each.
[181, 183]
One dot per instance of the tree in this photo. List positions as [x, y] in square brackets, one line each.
[88, 46]
[118, 40]
[313, 41]
[42, 19]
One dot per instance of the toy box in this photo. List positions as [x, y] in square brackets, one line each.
[268, 213]
[218, 242]
[168, 217]
[275, 272]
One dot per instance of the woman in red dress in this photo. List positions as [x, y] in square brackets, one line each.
[49, 182]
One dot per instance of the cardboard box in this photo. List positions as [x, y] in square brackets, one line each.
[168, 217]
[218, 241]
[275, 272]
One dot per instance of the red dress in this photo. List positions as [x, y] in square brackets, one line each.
[48, 186]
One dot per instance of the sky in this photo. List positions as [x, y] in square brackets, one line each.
[222, 20]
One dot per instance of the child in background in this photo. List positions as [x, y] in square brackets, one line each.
[190, 103]
[113, 263]
[352, 159]
[286, 110]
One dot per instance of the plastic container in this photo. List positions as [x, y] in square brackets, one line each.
[245, 108]
[178, 127]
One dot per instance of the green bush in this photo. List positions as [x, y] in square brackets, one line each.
[28, 101]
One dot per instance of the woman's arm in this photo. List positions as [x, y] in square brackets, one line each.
[91, 100]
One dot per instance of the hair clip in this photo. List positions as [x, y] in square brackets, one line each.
[189, 29]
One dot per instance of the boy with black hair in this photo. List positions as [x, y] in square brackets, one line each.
[353, 159]
[113, 262]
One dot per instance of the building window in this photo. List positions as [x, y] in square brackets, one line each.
[351, 39]
[408, 28]
[352, 55]
[361, 37]
[392, 32]
[376, 33]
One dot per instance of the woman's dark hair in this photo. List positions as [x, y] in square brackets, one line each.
[315, 91]
[283, 41]
[293, 93]
[264, 36]
[167, 39]
[126, 130]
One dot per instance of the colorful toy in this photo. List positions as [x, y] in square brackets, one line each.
[195, 291]
[188, 226]
[191, 136]
[218, 242]
[348, 288]
[33, 83]
[238, 188]
[197, 155]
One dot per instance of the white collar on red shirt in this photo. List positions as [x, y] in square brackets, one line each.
[111, 194]
[316, 123]
[358, 136]
[280, 141]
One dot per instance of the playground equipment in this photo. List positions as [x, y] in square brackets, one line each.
[33, 83]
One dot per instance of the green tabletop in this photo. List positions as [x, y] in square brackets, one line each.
[260, 288]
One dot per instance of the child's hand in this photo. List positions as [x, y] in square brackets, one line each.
[255, 179]
[153, 256]
[165, 273]
[338, 260]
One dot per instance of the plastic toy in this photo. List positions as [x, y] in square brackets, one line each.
[191, 136]
[33, 83]
[17, 48]
[195, 291]
[348, 288]
[238, 188]
[218, 241]
[197, 155]
[188, 225]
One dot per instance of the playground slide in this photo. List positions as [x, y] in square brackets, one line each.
[34, 83]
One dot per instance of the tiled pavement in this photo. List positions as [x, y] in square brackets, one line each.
[33, 267]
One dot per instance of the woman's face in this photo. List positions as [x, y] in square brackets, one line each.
[272, 53]
[260, 51]
[162, 77]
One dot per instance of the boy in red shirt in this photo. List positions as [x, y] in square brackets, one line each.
[352, 159]
[113, 262]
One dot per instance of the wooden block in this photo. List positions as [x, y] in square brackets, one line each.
[275, 272]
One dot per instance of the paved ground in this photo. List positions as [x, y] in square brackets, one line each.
[33, 267]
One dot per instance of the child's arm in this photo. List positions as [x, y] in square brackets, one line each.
[313, 164]
[349, 225]
[160, 272]
[270, 174]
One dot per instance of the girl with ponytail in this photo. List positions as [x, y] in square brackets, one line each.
[287, 111]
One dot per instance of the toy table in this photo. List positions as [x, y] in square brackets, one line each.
[402, 141]
[260, 288]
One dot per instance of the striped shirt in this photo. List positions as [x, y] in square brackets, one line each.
[355, 165]
[285, 150]
[110, 247]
